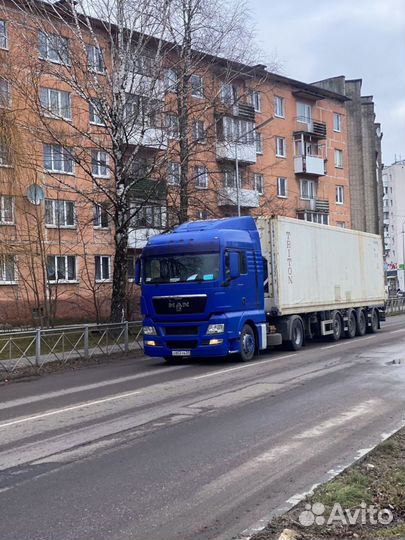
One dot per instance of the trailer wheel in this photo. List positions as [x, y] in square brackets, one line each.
[361, 323]
[297, 335]
[337, 326]
[351, 325]
[372, 329]
[247, 343]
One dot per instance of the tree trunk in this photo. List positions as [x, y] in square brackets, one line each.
[120, 276]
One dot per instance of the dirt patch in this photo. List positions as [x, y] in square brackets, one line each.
[366, 501]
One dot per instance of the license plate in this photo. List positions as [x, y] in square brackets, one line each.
[181, 353]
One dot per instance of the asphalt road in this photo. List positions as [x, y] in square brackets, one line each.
[141, 450]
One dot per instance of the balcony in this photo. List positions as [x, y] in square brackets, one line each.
[246, 152]
[311, 127]
[137, 238]
[248, 198]
[309, 165]
[142, 85]
[313, 205]
[238, 110]
[149, 137]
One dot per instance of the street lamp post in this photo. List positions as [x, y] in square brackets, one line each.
[236, 141]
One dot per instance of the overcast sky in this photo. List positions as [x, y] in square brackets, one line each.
[361, 39]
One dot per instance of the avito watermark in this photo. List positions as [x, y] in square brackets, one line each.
[365, 514]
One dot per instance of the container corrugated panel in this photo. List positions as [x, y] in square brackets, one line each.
[317, 267]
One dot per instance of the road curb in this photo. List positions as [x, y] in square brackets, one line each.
[293, 501]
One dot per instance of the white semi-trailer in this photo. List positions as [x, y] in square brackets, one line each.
[331, 279]
[239, 285]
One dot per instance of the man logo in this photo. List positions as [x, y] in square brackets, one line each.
[179, 306]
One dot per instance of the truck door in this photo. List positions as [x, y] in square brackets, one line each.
[243, 287]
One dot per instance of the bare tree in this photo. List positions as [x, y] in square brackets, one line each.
[94, 99]
[105, 60]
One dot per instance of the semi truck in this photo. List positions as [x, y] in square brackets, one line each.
[237, 286]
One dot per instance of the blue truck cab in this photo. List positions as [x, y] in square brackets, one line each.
[202, 290]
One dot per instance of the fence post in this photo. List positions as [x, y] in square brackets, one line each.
[86, 341]
[37, 346]
[126, 335]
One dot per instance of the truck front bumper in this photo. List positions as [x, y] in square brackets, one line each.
[193, 341]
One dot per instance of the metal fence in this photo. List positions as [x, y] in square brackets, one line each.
[395, 305]
[35, 348]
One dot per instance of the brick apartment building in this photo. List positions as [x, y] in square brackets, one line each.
[286, 140]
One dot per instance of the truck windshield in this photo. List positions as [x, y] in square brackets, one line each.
[181, 268]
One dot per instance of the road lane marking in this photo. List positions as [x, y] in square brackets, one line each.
[395, 331]
[340, 419]
[68, 409]
[349, 342]
[77, 389]
[259, 363]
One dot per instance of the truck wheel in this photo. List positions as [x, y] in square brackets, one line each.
[372, 329]
[351, 325]
[297, 335]
[361, 323]
[337, 326]
[247, 343]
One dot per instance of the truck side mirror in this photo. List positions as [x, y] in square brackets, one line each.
[234, 265]
[138, 271]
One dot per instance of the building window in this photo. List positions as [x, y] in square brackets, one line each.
[96, 112]
[230, 178]
[5, 155]
[304, 113]
[315, 217]
[100, 216]
[339, 159]
[103, 267]
[172, 124]
[170, 80]
[150, 216]
[7, 269]
[229, 94]
[279, 106]
[341, 224]
[282, 188]
[143, 64]
[131, 265]
[232, 129]
[3, 35]
[337, 122]
[201, 177]
[173, 173]
[61, 268]
[59, 213]
[259, 183]
[56, 102]
[6, 210]
[58, 159]
[307, 189]
[95, 59]
[5, 94]
[280, 147]
[339, 195]
[256, 101]
[202, 214]
[199, 132]
[53, 48]
[99, 164]
[259, 142]
[197, 89]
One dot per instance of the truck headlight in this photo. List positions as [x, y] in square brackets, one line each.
[216, 328]
[149, 331]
